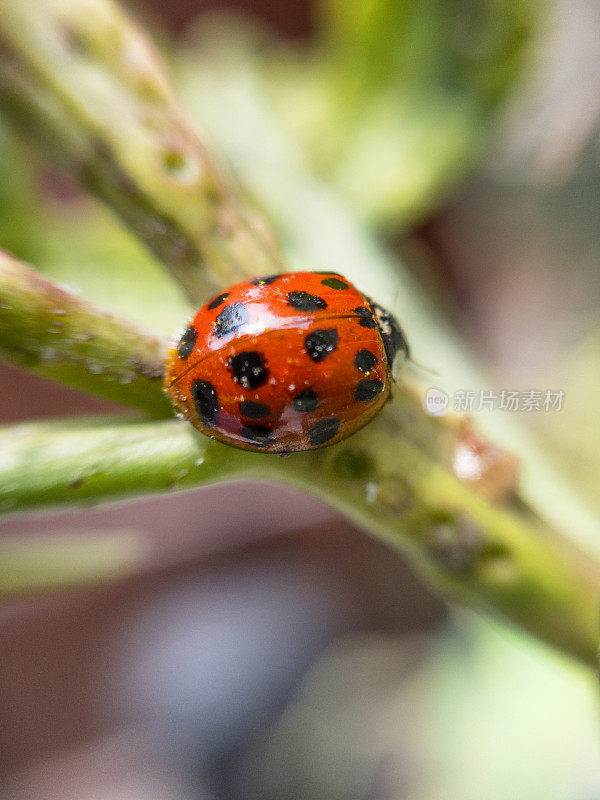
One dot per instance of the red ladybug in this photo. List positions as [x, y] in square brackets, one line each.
[285, 363]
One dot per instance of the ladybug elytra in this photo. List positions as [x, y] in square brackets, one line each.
[285, 363]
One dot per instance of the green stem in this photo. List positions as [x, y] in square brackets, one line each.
[86, 84]
[82, 80]
[60, 336]
[41, 564]
[469, 549]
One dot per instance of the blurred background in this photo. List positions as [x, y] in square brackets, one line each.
[250, 655]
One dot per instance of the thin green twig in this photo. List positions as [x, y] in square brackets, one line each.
[499, 560]
[37, 565]
[85, 83]
[56, 334]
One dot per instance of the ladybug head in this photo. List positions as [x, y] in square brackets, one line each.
[394, 340]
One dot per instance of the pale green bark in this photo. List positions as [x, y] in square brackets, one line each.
[86, 84]
[58, 335]
[83, 81]
[499, 560]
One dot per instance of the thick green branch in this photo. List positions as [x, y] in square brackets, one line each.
[489, 557]
[88, 86]
[60, 336]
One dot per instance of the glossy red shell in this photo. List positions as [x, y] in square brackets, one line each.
[281, 364]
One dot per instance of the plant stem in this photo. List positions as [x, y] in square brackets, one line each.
[42, 564]
[60, 336]
[85, 83]
[469, 549]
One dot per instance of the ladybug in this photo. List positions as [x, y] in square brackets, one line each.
[285, 363]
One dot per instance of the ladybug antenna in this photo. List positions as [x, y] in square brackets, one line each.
[396, 346]
[423, 367]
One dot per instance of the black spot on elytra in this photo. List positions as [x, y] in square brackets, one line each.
[265, 281]
[321, 342]
[248, 368]
[367, 389]
[303, 301]
[259, 435]
[218, 301]
[254, 410]
[187, 343]
[334, 283]
[365, 360]
[206, 401]
[365, 317]
[306, 401]
[231, 319]
[323, 430]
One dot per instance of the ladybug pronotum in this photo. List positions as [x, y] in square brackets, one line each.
[285, 363]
